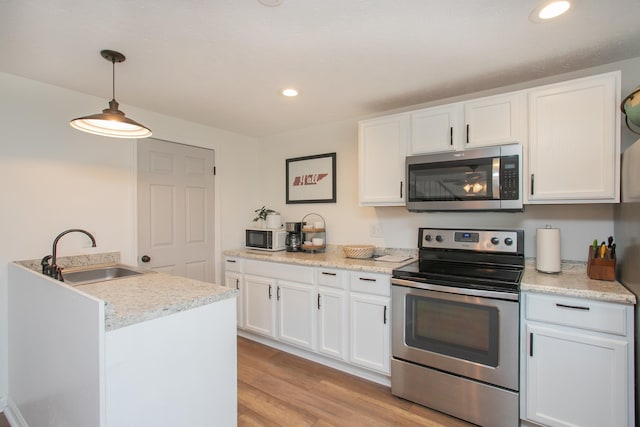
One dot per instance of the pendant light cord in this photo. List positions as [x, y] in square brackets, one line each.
[113, 78]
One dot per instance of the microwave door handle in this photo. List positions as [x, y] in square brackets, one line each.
[495, 177]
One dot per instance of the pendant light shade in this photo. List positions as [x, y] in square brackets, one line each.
[111, 122]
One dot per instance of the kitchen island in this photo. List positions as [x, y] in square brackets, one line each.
[153, 349]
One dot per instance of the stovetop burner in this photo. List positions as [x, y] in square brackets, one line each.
[476, 259]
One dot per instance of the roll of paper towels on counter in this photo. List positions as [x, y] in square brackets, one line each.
[548, 250]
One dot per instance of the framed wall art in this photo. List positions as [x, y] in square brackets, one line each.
[311, 179]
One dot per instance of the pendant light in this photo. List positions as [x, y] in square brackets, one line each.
[111, 122]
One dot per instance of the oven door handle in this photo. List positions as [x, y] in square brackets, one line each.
[510, 296]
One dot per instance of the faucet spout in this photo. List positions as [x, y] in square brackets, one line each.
[54, 270]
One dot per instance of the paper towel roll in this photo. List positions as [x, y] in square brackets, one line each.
[548, 250]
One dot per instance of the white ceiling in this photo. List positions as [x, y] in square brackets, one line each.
[223, 63]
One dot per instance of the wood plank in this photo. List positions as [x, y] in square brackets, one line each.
[276, 388]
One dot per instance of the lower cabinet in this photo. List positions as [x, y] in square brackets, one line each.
[370, 332]
[279, 309]
[369, 319]
[335, 313]
[578, 363]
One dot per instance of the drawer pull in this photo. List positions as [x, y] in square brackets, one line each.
[326, 273]
[366, 279]
[575, 307]
[231, 260]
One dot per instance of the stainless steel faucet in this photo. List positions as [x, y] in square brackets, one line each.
[49, 262]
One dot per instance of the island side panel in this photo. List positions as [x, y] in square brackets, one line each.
[56, 339]
[175, 370]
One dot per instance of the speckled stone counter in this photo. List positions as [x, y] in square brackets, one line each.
[573, 281]
[135, 299]
[332, 258]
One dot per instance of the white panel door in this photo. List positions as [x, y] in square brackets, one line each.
[332, 322]
[370, 343]
[175, 208]
[259, 305]
[295, 313]
[436, 129]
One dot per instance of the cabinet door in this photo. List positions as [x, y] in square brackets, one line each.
[259, 305]
[495, 120]
[370, 332]
[575, 379]
[296, 313]
[332, 325]
[233, 280]
[574, 141]
[381, 150]
[436, 129]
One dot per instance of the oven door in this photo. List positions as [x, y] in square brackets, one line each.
[470, 336]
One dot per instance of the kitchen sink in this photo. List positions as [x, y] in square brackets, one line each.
[99, 274]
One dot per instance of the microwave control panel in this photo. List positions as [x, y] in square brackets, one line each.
[509, 178]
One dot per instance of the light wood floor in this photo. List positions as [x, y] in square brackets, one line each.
[279, 389]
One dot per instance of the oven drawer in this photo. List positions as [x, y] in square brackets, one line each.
[370, 283]
[577, 312]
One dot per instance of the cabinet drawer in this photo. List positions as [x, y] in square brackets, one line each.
[331, 277]
[233, 264]
[294, 273]
[370, 283]
[578, 313]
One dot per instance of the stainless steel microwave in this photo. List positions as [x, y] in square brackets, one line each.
[480, 179]
[265, 239]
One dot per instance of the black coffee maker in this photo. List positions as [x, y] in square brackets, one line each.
[293, 241]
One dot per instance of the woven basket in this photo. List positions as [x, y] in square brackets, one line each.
[358, 251]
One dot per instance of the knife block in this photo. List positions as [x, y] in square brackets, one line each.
[601, 268]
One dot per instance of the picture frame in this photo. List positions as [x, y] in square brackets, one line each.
[311, 179]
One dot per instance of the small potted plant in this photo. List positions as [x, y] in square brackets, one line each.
[261, 215]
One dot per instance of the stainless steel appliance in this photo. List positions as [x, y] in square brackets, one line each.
[481, 179]
[455, 324]
[265, 239]
[294, 236]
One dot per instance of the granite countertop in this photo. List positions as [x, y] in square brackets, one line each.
[135, 299]
[332, 258]
[573, 281]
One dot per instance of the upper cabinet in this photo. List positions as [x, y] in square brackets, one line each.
[574, 141]
[382, 148]
[436, 129]
[570, 133]
[485, 121]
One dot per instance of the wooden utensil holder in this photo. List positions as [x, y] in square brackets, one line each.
[601, 268]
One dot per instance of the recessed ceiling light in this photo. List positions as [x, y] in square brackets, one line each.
[290, 92]
[270, 3]
[549, 10]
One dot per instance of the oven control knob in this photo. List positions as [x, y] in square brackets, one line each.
[495, 240]
[439, 238]
[427, 237]
[508, 241]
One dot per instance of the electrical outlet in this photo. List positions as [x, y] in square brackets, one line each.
[375, 230]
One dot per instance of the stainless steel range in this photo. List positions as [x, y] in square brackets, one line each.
[455, 324]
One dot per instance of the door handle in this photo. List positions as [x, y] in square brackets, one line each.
[278, 293]
[318, 301]
[238, 284]
[269, 291]
[467, 133]
[532, 182]
[401, 183]
[384, 315]
[145, 258]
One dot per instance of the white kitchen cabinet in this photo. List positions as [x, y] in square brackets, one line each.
[259, 305]
[233, 279]
[332, 313]
[475, 123]
[574, 141]
[279, 302]
[577, 362]
[382, 147]
[436, 129]
[494, 120]
[295, 313]
[369, 319]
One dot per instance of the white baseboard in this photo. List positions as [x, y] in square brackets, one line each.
[13, 415]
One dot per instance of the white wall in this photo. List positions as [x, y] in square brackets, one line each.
[53, 177]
